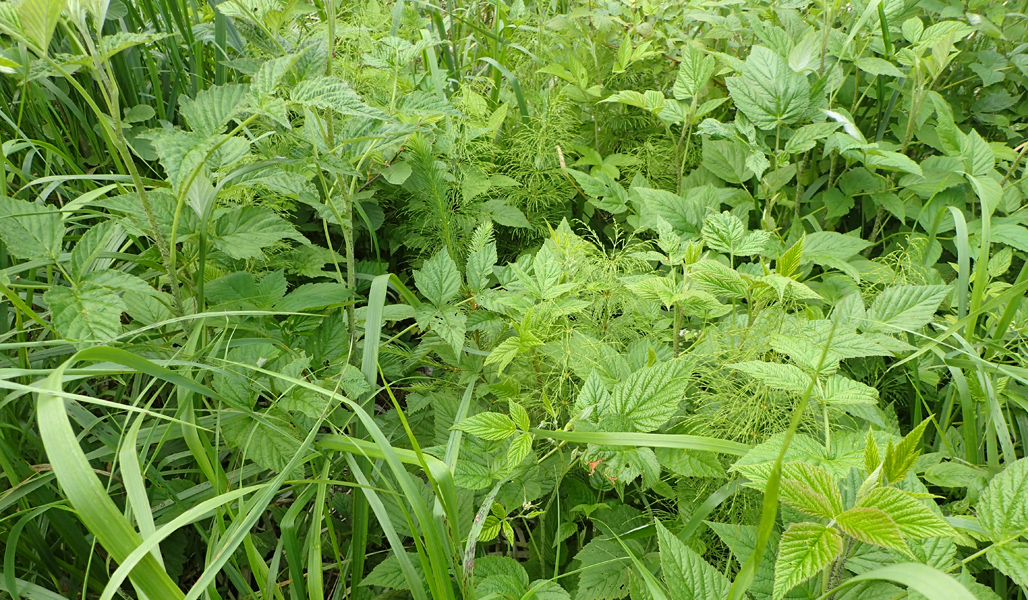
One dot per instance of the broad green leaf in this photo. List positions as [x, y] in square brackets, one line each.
[768, 92]
[806, 137]
[688, 576]
[726, 233]
[689, 463]
[650, 396]
[606, 571]
[270, 74]
[519, 415]
[451, 325]
[488, 426]
[810, 489]
[39, 18]
[878, 66]
[841, 390]
[102, 238]
[214, 107]
[314, 295]
[31, 231]
[1003, 507]
[718, 279]
[438, 279]
[978, 156]
[872, 526]
[912, 516]
[89, 312]
[333, 94]
[805, 549]
[904, 308]
[520, 447]
[268, 441]
[727, 160]
[776, 375]
[1012, 560]
[741, 539]
[245, 231]
[693, 73]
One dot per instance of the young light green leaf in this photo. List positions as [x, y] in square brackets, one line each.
[805, 549]
[776, 375]
[810, 489]
[913, 517]
[488, 426]
[520, 447]
[899, 458]
[872, 526]
[693, 73]
[519, 415]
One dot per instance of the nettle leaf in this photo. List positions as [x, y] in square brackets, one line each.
[810, 489]
[912, 516]
[269, 441]
[1012, 560]
[718, 279]
[31, 231]
[688, 576]
[89, 312]
[214, 107]
[768, 92]
[776, 375]
[438, 280]
[689, 463]
[694, 72]
[904, 307]
[839, 390]
[872, 526]
[245, 231]
[1003, 507]
[726, 233]
[650, 396]
[805, 549]
[333, 94]
[488, 426]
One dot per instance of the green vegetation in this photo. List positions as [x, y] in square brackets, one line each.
[491, 299]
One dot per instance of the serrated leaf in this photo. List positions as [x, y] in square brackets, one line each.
[270, 442]
[270, 74]
[606, 571]
[1003, 507]
[693, 73]
[89, 312]
[904, 307]
[488, 426]
[727, 160]
[776, 375]
[519, 415]
[872, 526]
[806, 137]
[519, 449]
[878, 66]
[811, 490]
[1012, 560]
[314, 295]
[592, 393]
[438, 280]
[804, 550]
[899, 458]
[688, 576]
[214, 107]
[650, 396]
[718, 279]
[245, 231]
[913, 517]
[841, 390]
[689, 463]
[31, 231]
[333, 94]
[768, 92]
[451, 325]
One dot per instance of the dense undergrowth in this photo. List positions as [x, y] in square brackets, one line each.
[531, 299]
